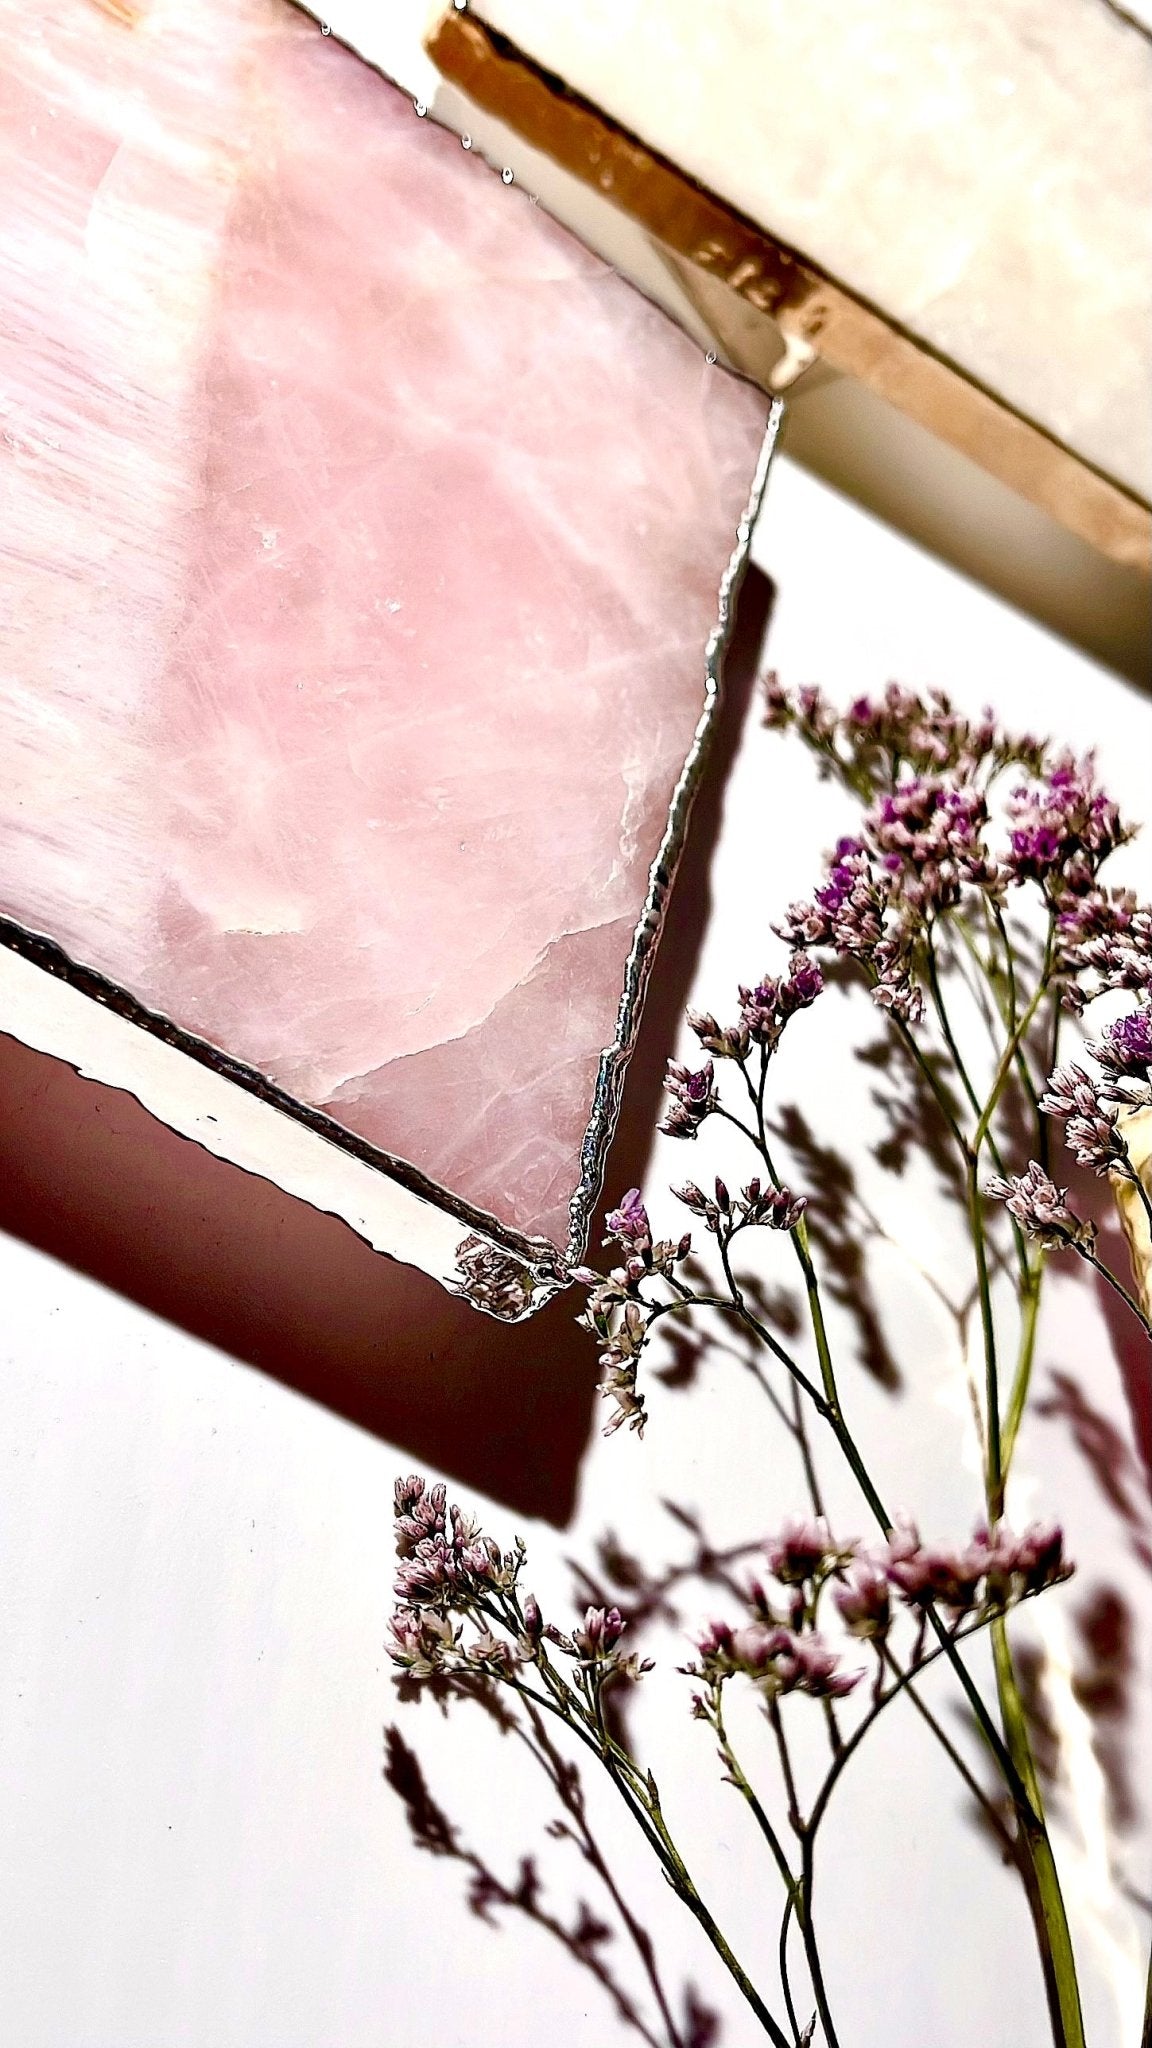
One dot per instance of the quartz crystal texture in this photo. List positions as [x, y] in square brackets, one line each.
[362, 543]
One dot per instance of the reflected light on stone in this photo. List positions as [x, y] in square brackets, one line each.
[363, 548]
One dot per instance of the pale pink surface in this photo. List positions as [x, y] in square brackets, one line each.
[361, 545]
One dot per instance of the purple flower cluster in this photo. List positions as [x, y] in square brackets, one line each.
[617, 1313]
[855, 912]
[629, 1226]
[779, 1659]
[1062, 828]
[693, 1096]
[443, 1556]
[447, 1570]
[595, 1646]
[803, 1551]
[1125, 1056]
[867, 744]
[1104, 941]
[924, 773]
[776, 1208]
[1090, 1107]
[787, 1652]
[450, 1575]
[1041, 1209]
[765, 1009]
[995, 1570]
[1074, 1099]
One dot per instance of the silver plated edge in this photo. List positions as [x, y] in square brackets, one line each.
[614, 1059]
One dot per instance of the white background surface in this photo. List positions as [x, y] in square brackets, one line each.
[198, 1850]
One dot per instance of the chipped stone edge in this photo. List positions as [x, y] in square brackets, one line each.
[56, 1005]
[614, 1059]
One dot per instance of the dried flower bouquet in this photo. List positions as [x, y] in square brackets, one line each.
[976, 865]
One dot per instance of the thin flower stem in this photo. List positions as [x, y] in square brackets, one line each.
[1016, 1039]
[777, 1725]
[1019, 1240]
[903, 1683]
[1012, 1020]
[812, 1949]
[686, 1890]
[1021, 1379]
[800, 1432]
[941, 1099]
[785, 1975]
[830, 1409]
[1037, 1863]
[995, 1465]
[758, 1328]
[740, 1781]
[1042, 1876]
[641, 1796]
[552, 1763]
[989, 1810]
[1116, 1285]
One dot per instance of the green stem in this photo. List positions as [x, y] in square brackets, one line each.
[1016, 1040]
[1116, 1285]
[1037, 1862]
[685, 1890]
[785, 1977]
[740, 1781]
[994, 1464]
[1021, 1379]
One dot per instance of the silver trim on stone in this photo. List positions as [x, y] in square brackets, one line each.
[99, 1028]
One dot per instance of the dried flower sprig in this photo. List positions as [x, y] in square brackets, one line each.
[964, 834]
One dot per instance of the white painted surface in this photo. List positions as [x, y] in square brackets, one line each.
[198, 1850]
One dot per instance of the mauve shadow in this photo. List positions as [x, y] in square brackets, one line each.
[89, 1176]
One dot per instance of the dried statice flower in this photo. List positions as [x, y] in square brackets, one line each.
[863, 1601]
[850, 912]
[993, 1571]
[804, 1550]
[444, 1558]
[1019, 1566]
[1103, 942]
[1125, 1056]
[693, 1098]
[778, 1659]
[618, 1365]
[628, 1225]
[930, 836]
[1042, 1209]
[724, 1041]
[776, 1207]
[596, 1645]
[1061, 828]
[423, 1643]
[1074, 1099]
[948, 1573]
[869, 742]
[804, 1662]
[766, 1008]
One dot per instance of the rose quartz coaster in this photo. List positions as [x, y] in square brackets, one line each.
[367, 552]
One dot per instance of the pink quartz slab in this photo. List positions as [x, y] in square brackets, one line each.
[362, 540]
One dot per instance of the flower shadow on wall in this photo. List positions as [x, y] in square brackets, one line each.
[886, 904]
